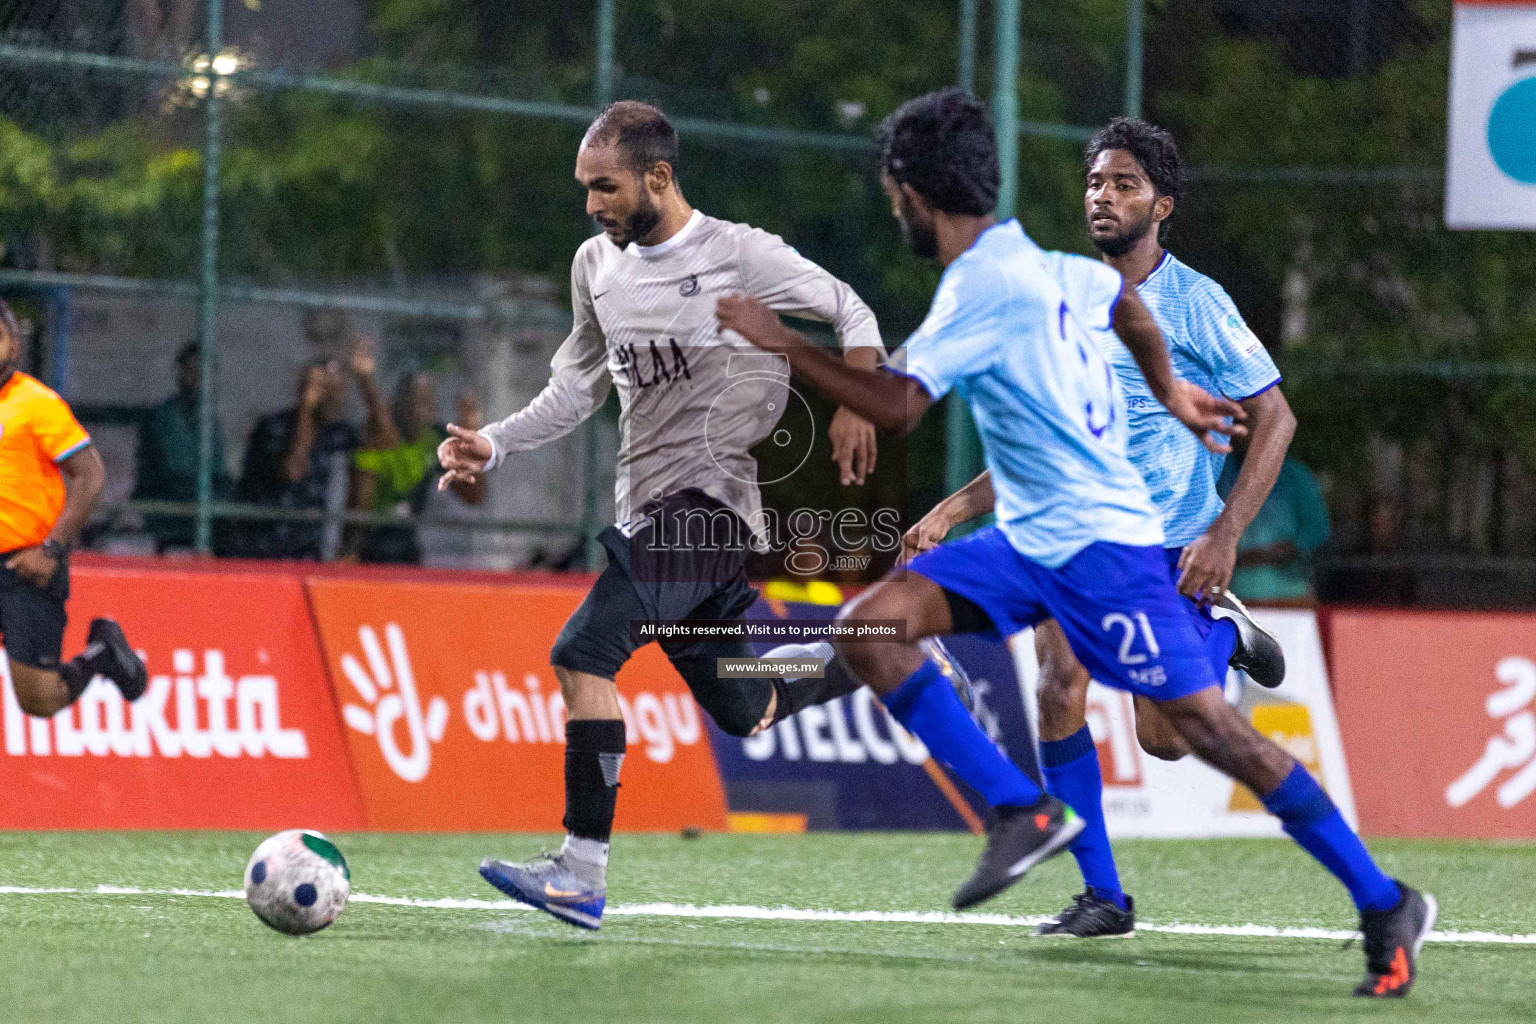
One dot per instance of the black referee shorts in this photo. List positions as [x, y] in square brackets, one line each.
[32, 618]
[687, 562]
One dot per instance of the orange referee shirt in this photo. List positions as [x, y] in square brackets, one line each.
[37, 432]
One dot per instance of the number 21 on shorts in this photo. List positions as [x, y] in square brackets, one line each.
[1128, 627]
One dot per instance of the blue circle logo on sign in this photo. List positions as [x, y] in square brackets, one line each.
[1512, 131]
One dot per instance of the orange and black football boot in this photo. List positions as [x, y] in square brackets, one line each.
[1392, 940]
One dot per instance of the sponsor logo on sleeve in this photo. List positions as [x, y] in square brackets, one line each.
[1242, 336]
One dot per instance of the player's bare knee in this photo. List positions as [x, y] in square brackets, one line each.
[587, 695]
[1156, 734]
[864, 659]
[1163, 747]
[568, 684]
[38, 692]
[1224, 739]
[1199, 731]
[39, 705]
[1062, 692]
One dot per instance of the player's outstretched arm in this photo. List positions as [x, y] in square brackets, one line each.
[890, 401]
[974, 499]
[578, 385]
[1203, 413]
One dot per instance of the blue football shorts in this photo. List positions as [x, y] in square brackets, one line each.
[1117, 605]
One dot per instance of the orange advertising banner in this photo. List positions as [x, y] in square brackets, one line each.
[455, 721]
[238, 729]
[1438, 714]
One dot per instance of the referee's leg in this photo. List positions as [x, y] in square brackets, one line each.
[39, 691]
[32, 620]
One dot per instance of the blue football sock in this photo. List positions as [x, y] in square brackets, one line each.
[925, 703]
[1220, 645]
[1310, 817]
[1071, 770]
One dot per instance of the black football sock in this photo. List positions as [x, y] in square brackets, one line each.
[594, 752]
[794, 694]
[78, 671]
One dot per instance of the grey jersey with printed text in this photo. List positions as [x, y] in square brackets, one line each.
[692, 400]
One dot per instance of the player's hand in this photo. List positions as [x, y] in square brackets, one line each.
[853, 445]
[750, 318]
[1206, 415]
[927, 532]
[464, 454]
[33, 566]
[1206, 564]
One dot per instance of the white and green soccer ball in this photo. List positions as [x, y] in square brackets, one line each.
[297, 881]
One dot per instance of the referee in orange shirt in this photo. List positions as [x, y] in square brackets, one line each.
[50, 482]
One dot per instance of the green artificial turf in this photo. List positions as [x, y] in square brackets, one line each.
[166, 958]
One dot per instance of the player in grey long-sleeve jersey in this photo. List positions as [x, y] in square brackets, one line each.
[693, 401]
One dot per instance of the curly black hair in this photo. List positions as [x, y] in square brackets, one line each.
[943, 145]
[1153, 148]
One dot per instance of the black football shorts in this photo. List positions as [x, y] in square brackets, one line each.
[32, 618]
[687, 562]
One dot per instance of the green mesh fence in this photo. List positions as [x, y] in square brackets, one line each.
[407, 166]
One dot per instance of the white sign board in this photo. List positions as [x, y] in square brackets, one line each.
[1491, 149]
[1148, 798]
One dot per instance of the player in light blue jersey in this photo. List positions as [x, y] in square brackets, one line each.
[1133, 184]
[1077, 538]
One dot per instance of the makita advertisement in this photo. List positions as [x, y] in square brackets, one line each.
[237, 730]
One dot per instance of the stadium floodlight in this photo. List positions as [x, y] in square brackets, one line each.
[206, 68]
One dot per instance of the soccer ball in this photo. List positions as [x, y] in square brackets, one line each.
[297, 881]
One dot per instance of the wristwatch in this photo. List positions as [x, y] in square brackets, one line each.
[55, 550]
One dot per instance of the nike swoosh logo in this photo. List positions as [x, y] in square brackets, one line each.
[559, 894]
[598, 295]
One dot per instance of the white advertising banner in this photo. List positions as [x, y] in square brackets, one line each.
[1491, 144]
[1148, 798]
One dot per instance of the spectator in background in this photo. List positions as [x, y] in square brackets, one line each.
[1274, 556]
[397, 464]
[168, 455]
[299, 459]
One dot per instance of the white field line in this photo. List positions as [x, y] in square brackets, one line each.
[730, 912]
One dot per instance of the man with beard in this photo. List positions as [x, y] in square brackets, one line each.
[1077, 537]
[1134, 181]
[693, 401]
